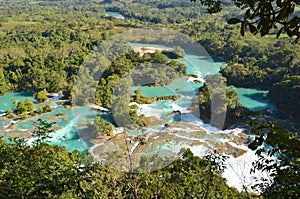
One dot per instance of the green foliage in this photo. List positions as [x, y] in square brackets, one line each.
[41, 52]
[226, 102]
[278, 71]
[140, 99]
[286, 95]
[48, 171]
[139, 120]
[157, 11]
[136, 67]
[41, 96]
[25, 106]
[103, 127]
[104, 91]
[51, 172]
[42, 132]
[42, 47]
[40, 110]
[213, 6]
[187, 177]
[47, 108]
[3, 82]
[179, 52]
[59, 114]
[283, 172]
[9, 113]
[262, 16]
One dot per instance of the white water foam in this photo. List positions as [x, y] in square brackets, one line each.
[236, 131]
[56, 96]
[100, 108]
[59, 135]
[176, 107]
[200, 150]
[118, 130]
[237, 172]
[148, 111]
[199, 78]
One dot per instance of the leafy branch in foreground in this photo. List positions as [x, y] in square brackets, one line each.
[263, 16]
[279, 156]
[43, 130]
[48, 171]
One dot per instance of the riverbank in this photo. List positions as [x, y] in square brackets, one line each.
[164, 136]
[147, 49]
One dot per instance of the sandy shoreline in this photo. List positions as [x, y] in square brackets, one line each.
[146, 49]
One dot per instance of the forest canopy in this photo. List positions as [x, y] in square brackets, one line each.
[43, 43]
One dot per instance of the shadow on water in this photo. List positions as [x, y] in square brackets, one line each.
[28, 94]
[109, 118]
[209, 59]
[258, 108]
[260, 97]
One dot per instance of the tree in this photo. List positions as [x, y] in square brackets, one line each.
[25, 106]
[138, 93]
[47, 108]
[263, 16]
[187, 177]
[49, 171]
[43, 130]
[226, 101]
[41, 96]
[284, 171]
[3, 82]
[9, 112]
[103, 127]
[179, 51]
[40, 110]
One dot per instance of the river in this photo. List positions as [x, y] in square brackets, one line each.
[185, 130]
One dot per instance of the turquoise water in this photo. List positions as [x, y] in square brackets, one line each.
[174, 118]
[201, 66]
[6, 101]
[253, 99]
[196, 64]
[29, 124]
[70, 136]
[185, 87]
[156, 91]
[178, 87]
[115, 14]
[1, 124]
